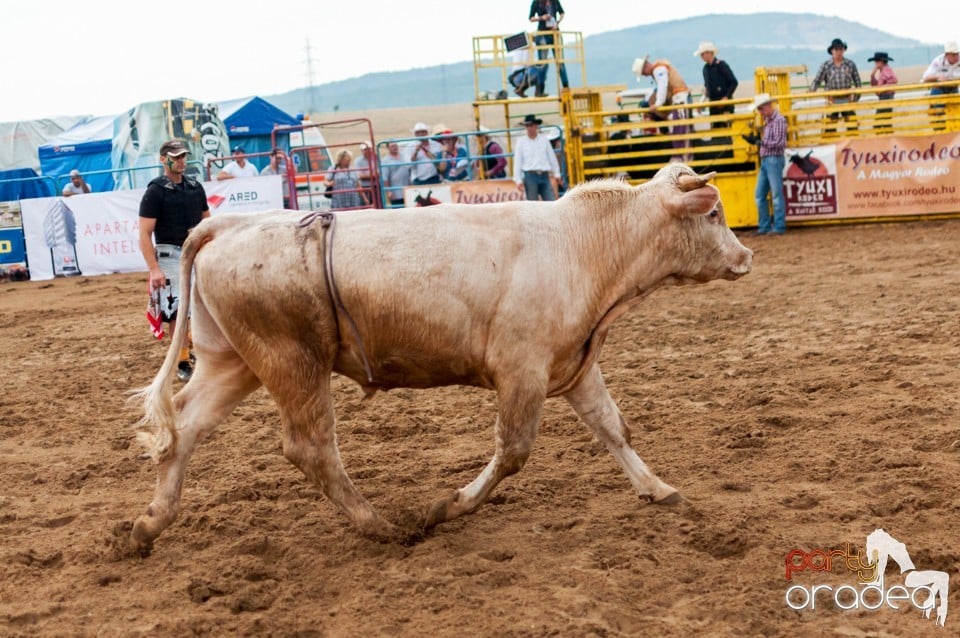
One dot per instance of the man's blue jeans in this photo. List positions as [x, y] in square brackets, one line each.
[770, 181]
[544, 40]
[538, 186]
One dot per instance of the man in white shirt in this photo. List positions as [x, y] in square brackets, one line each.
[534, 162]
[76, 185]
[943, 68]
[239, 167]
[425, 154]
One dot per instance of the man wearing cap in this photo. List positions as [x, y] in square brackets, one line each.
[836, 74]
[534, 162]
[719, 82]
[238, 166]
[772, 143]
[171, 205]
[76, 186]
[882, 76]
[943, 68]
[424, 157]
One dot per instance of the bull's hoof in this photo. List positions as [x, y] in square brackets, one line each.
[435, 515]
[141, 538]
[672, 499]
[381, 531]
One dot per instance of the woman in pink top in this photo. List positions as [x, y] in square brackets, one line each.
[882, 75]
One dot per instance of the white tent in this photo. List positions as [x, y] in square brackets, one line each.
[19, 141]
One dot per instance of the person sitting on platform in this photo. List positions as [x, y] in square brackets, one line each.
[524, 74]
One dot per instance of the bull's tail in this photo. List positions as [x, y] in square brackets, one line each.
[159, 429]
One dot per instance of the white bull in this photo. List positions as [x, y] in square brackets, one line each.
[514, 297]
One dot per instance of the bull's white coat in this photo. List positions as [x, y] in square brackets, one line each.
[514, 297]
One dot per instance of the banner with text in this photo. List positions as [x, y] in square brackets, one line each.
[874, 177]
[481, 192]
[98, 233]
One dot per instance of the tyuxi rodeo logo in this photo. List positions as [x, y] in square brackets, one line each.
[925, 590]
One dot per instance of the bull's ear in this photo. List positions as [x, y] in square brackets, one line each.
[696, 196]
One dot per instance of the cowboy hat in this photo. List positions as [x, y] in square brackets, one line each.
[880, 56]
[530, 118]
[761, 99]
[638, 64]
[951, 47]
[703, 48]
[837, 42]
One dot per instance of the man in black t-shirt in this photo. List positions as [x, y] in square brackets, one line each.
[172, 204]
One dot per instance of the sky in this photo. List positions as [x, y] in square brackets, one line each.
[102, 57]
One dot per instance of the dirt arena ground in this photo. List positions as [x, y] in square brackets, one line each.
[801, 407]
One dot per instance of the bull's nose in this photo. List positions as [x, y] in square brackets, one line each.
[744, 264]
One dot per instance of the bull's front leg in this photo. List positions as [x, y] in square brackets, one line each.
[520, 406]
[594, 405]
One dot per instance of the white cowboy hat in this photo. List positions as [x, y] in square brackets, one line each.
[760, 100]
[703, 48]
[951, 47]
[638, 64]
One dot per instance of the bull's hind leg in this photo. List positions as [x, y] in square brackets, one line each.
[221, 380]
[520, 407]
[310, 443]
[594, 405]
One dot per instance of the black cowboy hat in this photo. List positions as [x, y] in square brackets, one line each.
[880, 56]
[532, 119]
[837, 42]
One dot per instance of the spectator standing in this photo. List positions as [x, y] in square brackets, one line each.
[882, 76]
[396, 174]
[365, 165]
[424, 157]
[719, 82]
[76, 186]
[493, 160]
[238, 166]
[171, 205]
[548, 14]
[672, 90]
[277, 165]
[773, 144]
[524, 74]
[345, 181]
[943, 68]
[534, 162]
[836, 74]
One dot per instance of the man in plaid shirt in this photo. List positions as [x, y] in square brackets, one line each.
[836, 74]
[772, 143]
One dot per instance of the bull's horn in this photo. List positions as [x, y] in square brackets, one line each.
[693, 182]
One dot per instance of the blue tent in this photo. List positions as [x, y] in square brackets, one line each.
[87, 147]
[250, 122]
[23, 183]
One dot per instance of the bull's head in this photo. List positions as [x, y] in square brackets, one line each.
[707, 248]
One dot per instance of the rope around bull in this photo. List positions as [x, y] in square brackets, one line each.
[327, 224]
